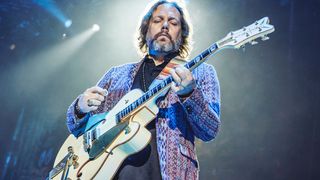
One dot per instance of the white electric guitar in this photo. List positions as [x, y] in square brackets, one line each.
[112, 136]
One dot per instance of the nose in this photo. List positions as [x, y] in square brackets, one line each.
[165, 26]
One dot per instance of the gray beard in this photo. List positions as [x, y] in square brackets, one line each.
[155, 47]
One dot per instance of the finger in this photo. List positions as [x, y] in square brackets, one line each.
[182, 72]
[93, 102]
[175, 77]
[92, 108]
[96, 96]
[174, 87]
[97, 89]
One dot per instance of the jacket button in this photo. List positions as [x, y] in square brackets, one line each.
[189, 109]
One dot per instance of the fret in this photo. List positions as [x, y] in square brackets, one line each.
[168, 80]
[152, 91]
[140, 100]
[202, 55]
[213, 48]
[159, 87]
[197, 59]
[121, 115]
[190, 65]
[163, 84]
[206, 53]
[187, 66]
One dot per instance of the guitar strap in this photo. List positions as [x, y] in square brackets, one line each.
[166, 71]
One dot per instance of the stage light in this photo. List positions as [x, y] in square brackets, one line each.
[12, 46]
[64, 35]
[67, 23]
[95, 27]
[51, 7]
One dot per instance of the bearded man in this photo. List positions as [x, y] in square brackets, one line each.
[191, 108]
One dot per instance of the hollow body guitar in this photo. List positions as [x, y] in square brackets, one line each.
[131, 139]
[112, 136]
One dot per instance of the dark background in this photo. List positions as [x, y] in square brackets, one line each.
[270, 92]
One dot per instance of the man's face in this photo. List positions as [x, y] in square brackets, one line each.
[164, 32]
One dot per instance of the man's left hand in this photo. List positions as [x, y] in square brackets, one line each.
[184, 82]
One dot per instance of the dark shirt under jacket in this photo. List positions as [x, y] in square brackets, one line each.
[144, 164]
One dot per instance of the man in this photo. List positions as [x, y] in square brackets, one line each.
[190, 109]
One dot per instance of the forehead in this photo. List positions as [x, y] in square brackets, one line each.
[166, 10]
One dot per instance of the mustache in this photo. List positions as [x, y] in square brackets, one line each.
[162, 34]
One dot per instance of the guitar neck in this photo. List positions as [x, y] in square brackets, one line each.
[234, 40]
[195, 62]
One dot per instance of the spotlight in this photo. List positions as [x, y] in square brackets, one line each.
[12, 47]
[95, 27]
[67, 23]
[64, 35]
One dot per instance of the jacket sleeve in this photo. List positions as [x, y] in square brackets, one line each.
[76, 125]
[203, 105]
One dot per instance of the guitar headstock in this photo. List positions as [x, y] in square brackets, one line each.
[248, 34]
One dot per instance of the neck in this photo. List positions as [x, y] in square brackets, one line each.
[161, 58]
[158, 60]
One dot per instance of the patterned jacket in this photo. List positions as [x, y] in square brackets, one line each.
[178, 122]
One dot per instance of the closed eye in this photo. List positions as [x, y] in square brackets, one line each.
[173, 21]
[157, 19]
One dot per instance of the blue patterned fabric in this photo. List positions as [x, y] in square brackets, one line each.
[179, 121]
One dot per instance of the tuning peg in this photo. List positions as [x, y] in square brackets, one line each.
[253, 42]
[264, 38]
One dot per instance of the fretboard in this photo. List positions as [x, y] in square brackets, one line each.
[195, 62]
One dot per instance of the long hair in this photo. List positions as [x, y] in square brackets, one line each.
[186, 29]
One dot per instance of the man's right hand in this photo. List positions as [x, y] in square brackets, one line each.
[91, 99]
